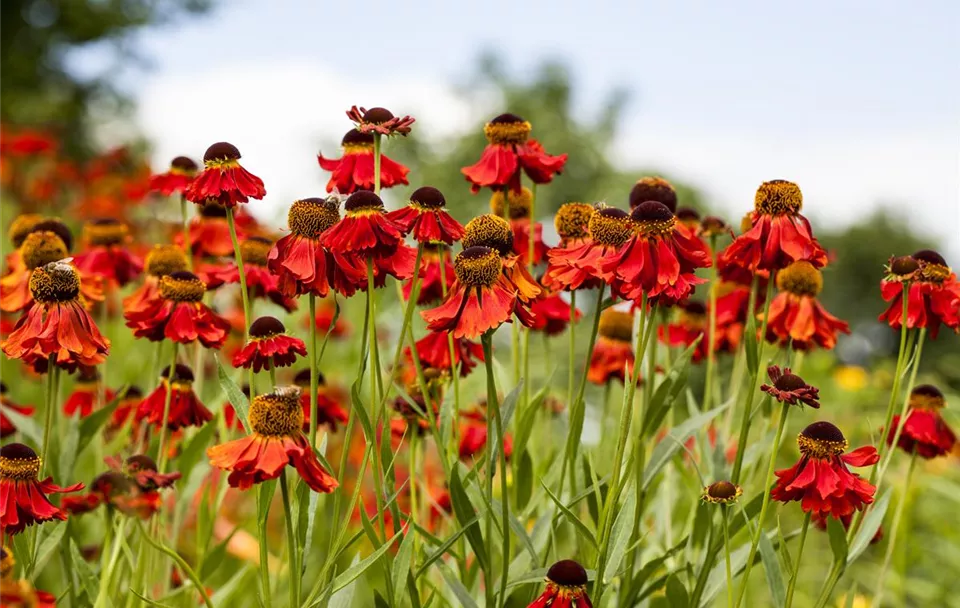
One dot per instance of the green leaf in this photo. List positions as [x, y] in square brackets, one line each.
[401, 564]
[666, 449]
[465, 513]
[457, 587]
[214, 557]
[717, 580]
[89, 581]
[353, 572]
[524, 480]
[66, 450]
[784, 550]
[868, 528]
[668, 390]
[578, 525]
[771, 566]
[361, 411]
[344, 597]
[236, 397]
[702, 522]
[622, 530]
[506, 414]
[195, 450]
[146, 600]
[526, 421]
[751, 349]
[265, 493]
[677, 595]
[838, 541]
[54, 535]
[442, 549]
[25, 425]
[92, 424]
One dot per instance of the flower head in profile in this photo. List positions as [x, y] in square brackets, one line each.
[435, 353]
[209, 232]
[820, 480]
[23, 497]
[355, 169]
[778, 234]
[510, 151]
[177, 177]
[85, 393]
[426, 218]
[564, 270]
[380, 120]
[924, 431]
[262, 283]
[180, 315]
[690, 325]
[107, 252]
[57, 324]
[276, 441]
[566, 587]
[330, 410]
[796, 316]
[223, 179]
[790, 388]
[185, 407]
[552, 314]
[269, 346]
[722, 493]
[653, 188]
[161, 261]
[516, 206]
[298, 260]
[934, 292]
[7, 426]
[481, 300]
[612, 356]
[493, 231]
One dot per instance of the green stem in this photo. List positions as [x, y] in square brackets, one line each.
[408, 313]
[711, 336]
[53, 379]
[726, 556]
[897, 518]
[766, 502]
[183, 565]
[294, 550]
[186, 232]
[796, 565]
[452, 449]
[314, 376]
[244, 295]
[897, 377]
[171, 376]
[572, 347]
[493, 404]
[885, 463]
[375, 415]
[264, 550]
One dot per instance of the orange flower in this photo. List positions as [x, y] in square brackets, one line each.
[180, 315]
[182, 171]
[85, 393]
[521, 223]
[581, 264]
[380, 120]
[612, 355]
[795, 314]
[426, 218]
[509, 151]
[691, 324]
[934, 296]
[163, 260]
[261, 281]
[566, 587]
[434, 352]
[185, 407]
[495, 232]
[224, 179]
[209, 232]
[354, 171]
[299, 261]
[107, 254]
[572, 223]
[329, 410]
[269, 346]
[7, 427]
[432, 285]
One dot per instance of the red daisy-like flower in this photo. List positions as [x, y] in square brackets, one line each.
[509, 151]
[434, 352]
[209, 232]
[86, 393]
[821, 480]
[354, 170]
[572, 223]
[934, 297]
[7, 427]
[330, 411]
[116, 491]
[612, 355]
[481, 299]
[57, 323]
[21, 594]
[493, 231]
[261, 281]
[473, 434]
[653, 188]
[432, 286]
[790, 388]
[129, 403]
[779, 235]
[566, 587]
[582, 264]
[277, 440]
[796, 316]
[300, 262]
[142, 470]
[107, 254]
[380, 120]
[690, 325]
[924, 431]
[224, 179]
[269, 346]
[517, 204]
[185, 407]
[659, 260]
[162, 260]
[182, 171]
[23, 498]
[180, 315]
[426, 218]
[552, 314]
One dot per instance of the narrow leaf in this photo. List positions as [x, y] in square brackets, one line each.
[352, 573]
[401, 565]
[868, 529]
[838, 540]
[236, 397]
[465, 513]
[25, 425]
[771, 567]
[580, 527]
[665, 450]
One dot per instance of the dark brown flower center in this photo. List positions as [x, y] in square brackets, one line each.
[363, 201]
[182, 286]
[652, 219]
[308, 217]
[377, 116]
[55, 282]
[927, 397]
[57, 227]
[653, 189]
[254, 250]
[688, 216]
[184, 165]
[478, 266]
[264, 327]
[140, 462]
[105, 232]
[572, 219]
[567, 573]
[722, 490]
[800, 278]
[165, 259]
[212, 208]
[790, 382]
[19, 462]
[519, 203]
[355, 138]
[616, 325]
[41, 248]
[428, 197]
[221, 152]
[778, 197]
[21, 226]
[609, 226]
[904, 266]
[507, 129]
[713, 226]
[181, 373]
[821, 440]
[489, 230]
[277, 414]
[302, 379]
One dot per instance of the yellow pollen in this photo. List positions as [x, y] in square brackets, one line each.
[655, 228]
[572, 219]
[778, 197]
[480, 271]
[182, 290]
[927, 402]
[934, 273]
[223, 164]
[22, 469]
[616, 325]
[7, 563]
[820, 448]
[105, 234]
[800, 278]
[55, 282]
[21, 227]
[40, 248]
[488, 230]
[609, 231]
[358, 148]
[519, 203]
[310, 218]
[507, 132]
[165, 259]
[254, 251]
[277, 414]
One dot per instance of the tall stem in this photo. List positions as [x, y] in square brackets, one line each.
[572, 347]
[455, 427]
[796, 565]
[186, 232]
[711, 336]
[726, 556]
[53, 380]
[375, 411]
[897, 518]
[408, 312]
[314, 372]
[885, 462]
[264, 550]
[766, 501]
[493, 404]
[897, 377]
[244, 295]
[171, 376]
[293, 549]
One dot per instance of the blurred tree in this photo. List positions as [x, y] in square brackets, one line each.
[36, 37]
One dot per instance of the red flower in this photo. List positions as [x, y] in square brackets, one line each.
[277, 440]
[691, 325]
[56, 323]
[354, 171]
[820, 480]
[572, 223]
[142, 470]
[269, 346]
[107, 254]
[566, 587]
[796, 317]
[432, 286]
[209, 231]
[426, 217]
[552, 314]
[613, 353]
[21, 594]
[329, 410]
[496, 233]
[925, 431]
[182, 171]
[380, 120]
[473, 435]
[659, 260]
[261, 281]
[434, 352]
[300, 262]
[581, 265]
[653, 188]
[23, 498]
[481, 300]
[790, 388]
[27, 142]
[224, 179]
[179, 315]
[185, 407]
[129, 404]
[934, 293]
[85, 393]
[7, 427]
[509, 150]
[162, 260]
[519, 204]
[779, 235]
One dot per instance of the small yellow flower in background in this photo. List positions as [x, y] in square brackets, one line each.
[851, 377]
[859, 601]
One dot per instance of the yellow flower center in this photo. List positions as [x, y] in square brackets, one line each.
[609, 226]
[55, 282]
[165, 259]
[488, 230]
[310, 216]
[800, 278]
[616, 325]
[277, 414]
[778, 197]
[519, 203]
[105, 233]
[478, 266]
[507, 129]
[254, 250]
[572, 219]
[821, 440]
[43, 247]
[21, 227]
[182, 286]
[19, 462]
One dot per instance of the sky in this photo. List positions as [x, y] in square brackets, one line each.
[857, 102]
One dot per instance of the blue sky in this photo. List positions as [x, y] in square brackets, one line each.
[858, 102]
